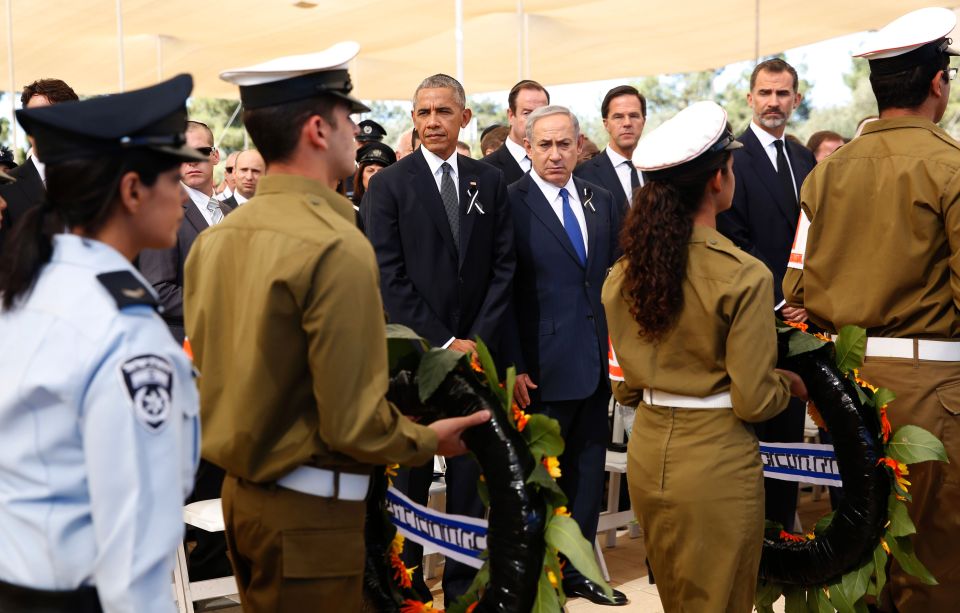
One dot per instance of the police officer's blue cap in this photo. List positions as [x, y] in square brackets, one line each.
[298, 77]
[152, 118]
[370, 131]
[376, 153]
[918, 38]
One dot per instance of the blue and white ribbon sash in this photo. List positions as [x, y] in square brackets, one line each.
[803, 462]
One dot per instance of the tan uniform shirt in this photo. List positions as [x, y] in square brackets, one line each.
[284, 316]
[724, 339]
[883, 247]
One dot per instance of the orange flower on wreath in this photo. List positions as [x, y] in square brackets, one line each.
[473, 606]
[899, 469]
[415, 606]
[796, 538]
[519, 417]
[798, 325]
[552, 465]
[885, 427]
[562, 511]
[475, 362]
[814, 414]
[402, 574]
[862, 382]
[823, 337]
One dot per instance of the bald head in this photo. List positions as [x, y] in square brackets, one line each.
[248, 169]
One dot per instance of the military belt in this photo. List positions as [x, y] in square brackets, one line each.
[677, 401]
[326, 483]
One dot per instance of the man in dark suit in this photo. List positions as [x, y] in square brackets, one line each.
[443, 237]
[769, 170]
[565, 235]
[624, 112]
[164, 269]
[29, 190]
[511, 158]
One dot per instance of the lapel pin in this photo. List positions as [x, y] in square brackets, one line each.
[588, 199]
[472, 193]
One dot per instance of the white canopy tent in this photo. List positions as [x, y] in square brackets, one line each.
[103, 46]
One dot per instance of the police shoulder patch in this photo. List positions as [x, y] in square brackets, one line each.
[126, 289]
[149, 382]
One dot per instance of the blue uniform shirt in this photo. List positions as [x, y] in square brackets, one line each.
[100, 436]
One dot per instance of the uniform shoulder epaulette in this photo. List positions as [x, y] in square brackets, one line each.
[127, 290]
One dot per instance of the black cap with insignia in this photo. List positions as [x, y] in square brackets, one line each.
[376, 153]
[151, 118]
[298, 77]
[370, 132]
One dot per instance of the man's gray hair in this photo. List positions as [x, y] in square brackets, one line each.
[441, 80]
[546, 111]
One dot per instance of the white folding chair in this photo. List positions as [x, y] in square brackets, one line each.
[205, 515]
[611, 519]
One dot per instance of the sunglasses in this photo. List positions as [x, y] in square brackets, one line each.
[206, 150]
[229, 169]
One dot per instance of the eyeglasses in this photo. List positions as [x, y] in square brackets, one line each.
[229, 169]
[207, 151]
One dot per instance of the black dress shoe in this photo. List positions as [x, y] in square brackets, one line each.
[594, 593]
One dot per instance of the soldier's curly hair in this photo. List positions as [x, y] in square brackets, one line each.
[654, 239]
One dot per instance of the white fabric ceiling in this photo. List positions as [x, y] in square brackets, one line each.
[402, 41]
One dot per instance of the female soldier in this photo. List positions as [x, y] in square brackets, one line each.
[371, 158]
[98, 406]
[691, 325]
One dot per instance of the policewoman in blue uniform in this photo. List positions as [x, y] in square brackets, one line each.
[98, 405]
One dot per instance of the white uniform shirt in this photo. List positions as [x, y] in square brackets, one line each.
[98, 410]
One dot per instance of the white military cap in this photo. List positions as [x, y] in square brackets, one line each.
[696, 131]
[915, 39]
[297, 77]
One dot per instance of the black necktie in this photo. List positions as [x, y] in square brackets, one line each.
[448, 193]
[634, 176]
[783, 171]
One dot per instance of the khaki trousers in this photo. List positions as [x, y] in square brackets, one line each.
[696, 484]
[292, 552]
[928, 395]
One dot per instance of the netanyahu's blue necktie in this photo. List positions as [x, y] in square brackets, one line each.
[572, 226]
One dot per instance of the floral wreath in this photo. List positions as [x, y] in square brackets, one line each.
[561, 534]
[907, 445]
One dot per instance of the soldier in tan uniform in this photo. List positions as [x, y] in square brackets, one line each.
[284, 316]
[883, 252]
[692, 326]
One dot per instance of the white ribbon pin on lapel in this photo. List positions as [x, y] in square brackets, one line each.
[588, 199]
[472, 193]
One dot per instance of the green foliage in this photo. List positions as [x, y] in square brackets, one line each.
[840, 599]
[544, 436]
[548, 601]
[911, 444]
[490, 371]
[880, 569]
[900, 522]
[549, 488]
[402, 348]
[795, 601]
[818, 602]
[563, 534]
[901, 547]
[767, 594]
[435, 365]
[851, 346]
[822, 524]
[883, 396]
[855, 582]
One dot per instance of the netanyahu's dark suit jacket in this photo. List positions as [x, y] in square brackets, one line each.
[21, 196]
[599, 171]
[561, 330]
[163, 268]
[761, 221]
[425, 283]
[502, 159]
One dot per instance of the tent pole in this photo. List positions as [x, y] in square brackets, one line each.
[458, 38]
[229, 123]
[120, 42]
[13, 82]
[159, 57]
[756, 34]
[520, 45]
[526, 45]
